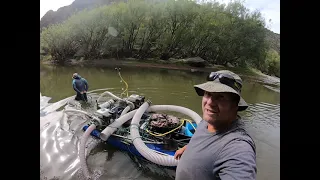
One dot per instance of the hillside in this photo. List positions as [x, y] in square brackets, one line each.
[52, 17]
[274, 40]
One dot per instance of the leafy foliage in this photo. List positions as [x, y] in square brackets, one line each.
[218, 33]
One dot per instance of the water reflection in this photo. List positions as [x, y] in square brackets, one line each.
[161, 87]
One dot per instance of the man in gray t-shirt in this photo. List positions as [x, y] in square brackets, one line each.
[220, 147]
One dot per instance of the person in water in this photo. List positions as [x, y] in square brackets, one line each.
[80, 85]
[220, 147]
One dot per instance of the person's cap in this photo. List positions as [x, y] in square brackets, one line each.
[223, 81]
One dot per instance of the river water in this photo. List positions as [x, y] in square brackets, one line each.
[162, 86]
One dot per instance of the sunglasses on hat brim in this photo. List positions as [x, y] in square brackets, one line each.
[225, 79]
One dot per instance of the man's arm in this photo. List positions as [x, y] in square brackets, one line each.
[179, 152]
[86, 83]
[238, 161]
[74, 86]
[184, 147]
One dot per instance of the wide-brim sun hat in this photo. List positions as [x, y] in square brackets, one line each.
[217, 86]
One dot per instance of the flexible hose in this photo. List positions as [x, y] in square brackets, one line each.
[83, 142]
[125, 111]
[116, 97]
[107, 104]
[97, 90]
[109, 93]
[163, 134]
[83, 112]
[82, 154]
[57, 105]
[149, 154]
[106, 133]
[195, 116]
[140, 145]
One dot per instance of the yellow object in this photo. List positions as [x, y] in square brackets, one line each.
[190, 123]
[158, 134]
[126, 90]
[182, 121]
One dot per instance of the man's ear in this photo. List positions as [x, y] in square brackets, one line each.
[236, 106]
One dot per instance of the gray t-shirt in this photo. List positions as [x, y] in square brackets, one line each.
[228, 155]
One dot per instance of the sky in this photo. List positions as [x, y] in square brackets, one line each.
[46, 5]
[270, 9]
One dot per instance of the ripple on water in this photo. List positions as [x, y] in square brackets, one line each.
[263, 114]
[263, 123]
[60, 144]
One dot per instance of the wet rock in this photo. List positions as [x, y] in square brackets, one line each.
[196, 62]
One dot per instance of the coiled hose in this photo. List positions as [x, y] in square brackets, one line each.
[116, 97]
[140, 145]
[109, 93]
[104, 135]
[149, 154]
[84, 138]
[82, 152]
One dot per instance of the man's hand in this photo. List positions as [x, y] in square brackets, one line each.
[81, 92]
[84, 91]
[179, 152]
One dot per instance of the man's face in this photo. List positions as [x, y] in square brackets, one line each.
[74, 75]
[218, 108]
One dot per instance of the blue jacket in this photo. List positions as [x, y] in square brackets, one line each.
[80, 84]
